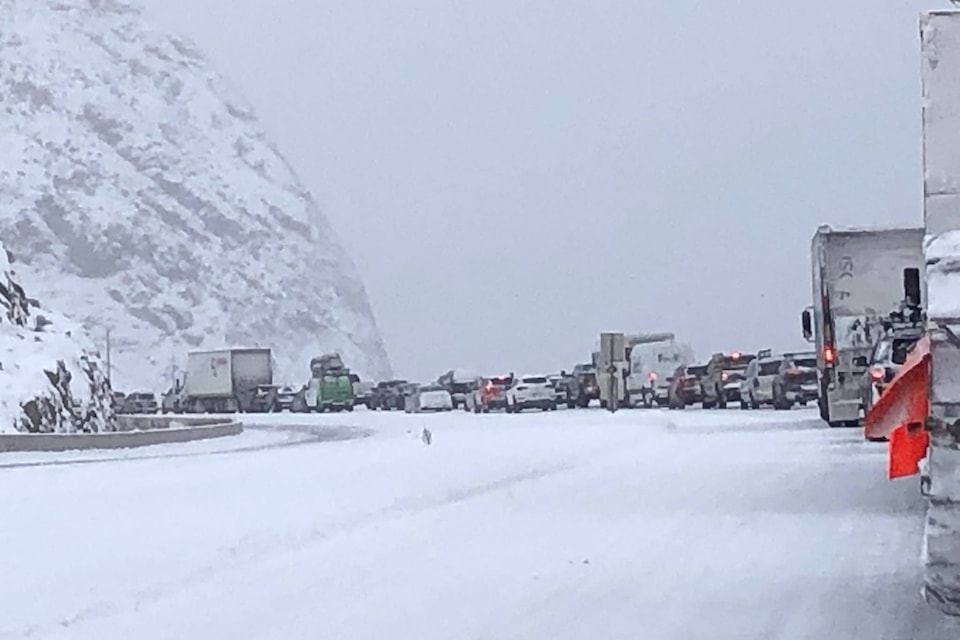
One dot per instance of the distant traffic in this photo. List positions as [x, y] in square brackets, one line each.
[865, 317]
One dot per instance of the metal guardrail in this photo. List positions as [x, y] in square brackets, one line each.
[134, 431]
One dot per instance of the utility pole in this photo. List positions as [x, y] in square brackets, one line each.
[109, 368]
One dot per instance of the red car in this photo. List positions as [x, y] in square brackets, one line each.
[685, 386]
[490, 394]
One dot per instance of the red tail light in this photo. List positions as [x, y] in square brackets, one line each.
[652, 376]
[829, 355]
[878, 374]
[735, 355]
[724, 377]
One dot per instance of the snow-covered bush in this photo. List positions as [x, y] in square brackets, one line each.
[50, 377]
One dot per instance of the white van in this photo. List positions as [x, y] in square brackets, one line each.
[652, 364]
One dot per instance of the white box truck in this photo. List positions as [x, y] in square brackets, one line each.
[858, 276]
[653, 358]
[224, 381]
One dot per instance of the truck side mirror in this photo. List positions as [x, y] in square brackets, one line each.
[911, 286]
[807, 322]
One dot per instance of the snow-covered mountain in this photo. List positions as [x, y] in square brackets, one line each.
[144, 196]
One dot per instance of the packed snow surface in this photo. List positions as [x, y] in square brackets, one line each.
[145, 196]
[575, 524]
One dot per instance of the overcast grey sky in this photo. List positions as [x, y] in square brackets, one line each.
[512, 177]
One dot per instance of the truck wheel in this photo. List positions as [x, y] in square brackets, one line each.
[349, 407]
[744, 405]
[721, 399]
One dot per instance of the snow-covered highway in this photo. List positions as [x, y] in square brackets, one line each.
[572, 524]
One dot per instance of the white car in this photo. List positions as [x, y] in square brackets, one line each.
[756, 388]
[531, 392]
[430, 398]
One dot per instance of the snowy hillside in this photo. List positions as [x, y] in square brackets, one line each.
[50, 377]
[147, 195]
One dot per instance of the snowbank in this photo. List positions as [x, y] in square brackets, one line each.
[50, 378]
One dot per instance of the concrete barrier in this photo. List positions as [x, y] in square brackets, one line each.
[135, 431]
[137, 422]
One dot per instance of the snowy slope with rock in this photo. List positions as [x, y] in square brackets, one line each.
[51, 379]
[150, 198]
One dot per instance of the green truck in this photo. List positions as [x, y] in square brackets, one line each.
[333, 392]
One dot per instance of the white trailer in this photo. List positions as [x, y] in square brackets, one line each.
[224, 380]
[857, 282]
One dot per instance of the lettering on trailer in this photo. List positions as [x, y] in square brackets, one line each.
[846, 271]
[216, 363]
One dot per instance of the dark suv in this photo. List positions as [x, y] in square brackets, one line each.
[141, 402]
[796, 382]
[585, 384]
[389, 396]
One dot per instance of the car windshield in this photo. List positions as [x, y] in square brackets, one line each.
[697, 370]
[534, 380]
[807, 363]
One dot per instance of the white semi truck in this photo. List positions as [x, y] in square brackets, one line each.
[858, 276]
[223, 381]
